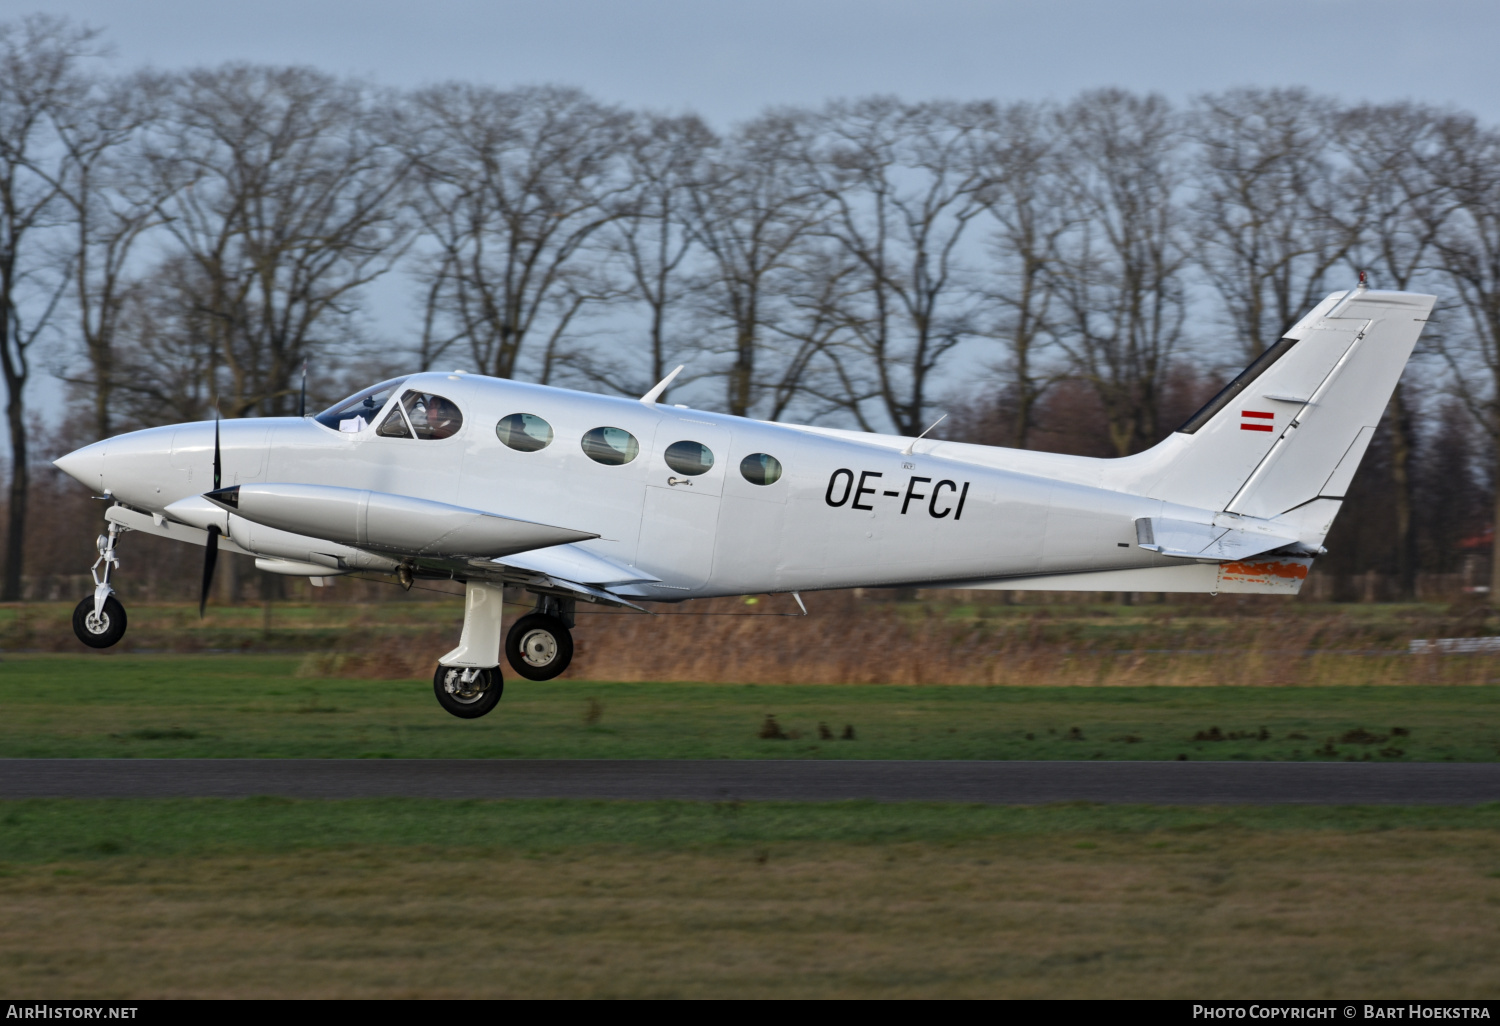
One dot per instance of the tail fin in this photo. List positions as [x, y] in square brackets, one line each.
[1293, 426]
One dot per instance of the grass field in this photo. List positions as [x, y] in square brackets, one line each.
[402, 898]
[258, 706]
[394, 898]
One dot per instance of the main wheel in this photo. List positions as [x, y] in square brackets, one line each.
[101, 630]
[469, 700]
[539, 646]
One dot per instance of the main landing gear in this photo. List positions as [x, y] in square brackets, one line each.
[468, 693]
[99, 620]
[540, 644]
[468, 682]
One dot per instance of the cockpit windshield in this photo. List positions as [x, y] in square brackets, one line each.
[356, 412]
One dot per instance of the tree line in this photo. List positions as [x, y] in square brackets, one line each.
[1071, 275]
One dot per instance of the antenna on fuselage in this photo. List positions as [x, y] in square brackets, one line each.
[302, 403]
[650, 397]
[907, 451]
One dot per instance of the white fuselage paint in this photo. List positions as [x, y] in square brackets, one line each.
[845, 513]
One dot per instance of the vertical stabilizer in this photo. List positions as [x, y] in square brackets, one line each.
[1293, 426]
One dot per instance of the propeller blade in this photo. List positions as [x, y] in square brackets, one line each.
[218, 466]
[210, 558]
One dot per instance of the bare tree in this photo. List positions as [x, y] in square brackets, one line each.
[650, 244]
[1467, 169]
[514, 188]
[750, 211]
[902, 184]
[1118, 274]
[1271, 218]
[166, 375]
[112, 203]
[816, 365]
[39, 77]
[1027, 201]
[282, 190]
[1389, 152]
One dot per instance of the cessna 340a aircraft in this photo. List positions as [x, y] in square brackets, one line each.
[578, 497]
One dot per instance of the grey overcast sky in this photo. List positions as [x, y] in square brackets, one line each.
[728, 60]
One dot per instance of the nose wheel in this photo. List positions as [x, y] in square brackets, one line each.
[99, 628]
[467, 693]
[99, 620]
[539, 646]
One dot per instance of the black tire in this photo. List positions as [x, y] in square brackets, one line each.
[539, 647]
[105, 631]
[473, 701]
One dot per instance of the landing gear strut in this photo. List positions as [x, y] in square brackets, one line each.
[99, 620]
[540, 645]
[468, 682]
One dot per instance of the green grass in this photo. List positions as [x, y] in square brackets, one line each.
[39, 831]
[396, 898]
[255, 706]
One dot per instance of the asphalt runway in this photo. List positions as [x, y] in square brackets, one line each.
[998, 783]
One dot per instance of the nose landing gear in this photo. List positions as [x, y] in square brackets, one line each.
[99, 620]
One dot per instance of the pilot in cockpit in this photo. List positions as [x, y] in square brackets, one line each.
[443, 418]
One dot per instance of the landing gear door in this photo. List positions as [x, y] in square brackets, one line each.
[684, 482]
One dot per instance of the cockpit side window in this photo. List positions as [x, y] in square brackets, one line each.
[432, 416]
[395, 425]
[359, 410]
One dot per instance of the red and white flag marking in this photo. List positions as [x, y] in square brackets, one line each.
[1247, 424]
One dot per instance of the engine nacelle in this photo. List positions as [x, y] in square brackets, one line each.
[386, 522]
[286, 546]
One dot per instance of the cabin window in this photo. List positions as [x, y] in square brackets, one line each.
[395, 425]
[524, 432]
[690, 458]
[432, 416]
[359, 410]
[610, 446]
[760, 469]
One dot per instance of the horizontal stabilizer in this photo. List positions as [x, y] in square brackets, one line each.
[1204, 541]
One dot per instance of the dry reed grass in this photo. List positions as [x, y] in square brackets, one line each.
[847, 641]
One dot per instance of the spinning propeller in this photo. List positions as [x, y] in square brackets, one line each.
[211, 550]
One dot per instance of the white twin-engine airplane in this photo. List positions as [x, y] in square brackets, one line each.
[574, 496]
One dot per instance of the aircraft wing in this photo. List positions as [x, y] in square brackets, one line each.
[571, 570]
[572, 563]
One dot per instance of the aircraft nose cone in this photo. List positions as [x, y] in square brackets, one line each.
[86, 465]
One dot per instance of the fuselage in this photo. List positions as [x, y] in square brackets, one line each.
[842, 512]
